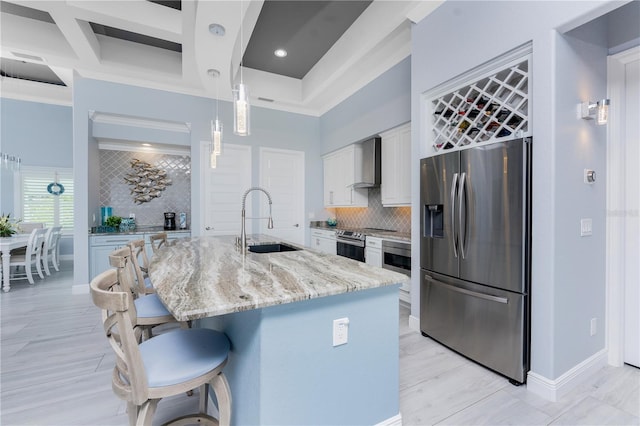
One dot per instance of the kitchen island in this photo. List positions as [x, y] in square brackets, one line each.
[278, 311]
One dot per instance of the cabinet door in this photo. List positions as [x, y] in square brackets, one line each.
[373, 256]
[102, 246]
[328, 245]
[324, 241]
[339, 177]
[388, 188]
[373, 251]
[330, 170]
[396, 167]
[100, 259]
[404, 166]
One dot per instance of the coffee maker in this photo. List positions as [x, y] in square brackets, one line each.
[169, 221]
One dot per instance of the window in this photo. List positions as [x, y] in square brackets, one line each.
[36, 202]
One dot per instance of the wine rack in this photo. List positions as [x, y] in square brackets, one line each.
[495, 107]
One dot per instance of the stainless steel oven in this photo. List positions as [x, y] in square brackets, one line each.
[396, 256]
[350, 244]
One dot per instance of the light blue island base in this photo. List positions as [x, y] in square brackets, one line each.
[284, 370]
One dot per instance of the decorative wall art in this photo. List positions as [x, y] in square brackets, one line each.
[147, 182]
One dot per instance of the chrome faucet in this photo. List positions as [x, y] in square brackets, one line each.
[243, 235]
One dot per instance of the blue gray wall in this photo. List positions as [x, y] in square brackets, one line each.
[381, 105]
[568, 271]
[269, 128]
[41, 135]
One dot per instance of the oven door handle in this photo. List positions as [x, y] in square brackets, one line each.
[351, 243]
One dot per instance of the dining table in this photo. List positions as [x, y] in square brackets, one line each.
[6, 245]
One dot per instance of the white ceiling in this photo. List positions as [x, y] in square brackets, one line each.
[377, 40]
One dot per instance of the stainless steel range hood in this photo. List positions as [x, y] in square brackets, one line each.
[369, 164]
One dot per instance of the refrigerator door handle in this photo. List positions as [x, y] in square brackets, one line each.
[461, 227]
[454, 184]
[471, 293]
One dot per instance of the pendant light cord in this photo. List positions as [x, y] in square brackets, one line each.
[241, 43]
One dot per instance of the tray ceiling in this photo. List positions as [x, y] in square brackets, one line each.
[334, 47]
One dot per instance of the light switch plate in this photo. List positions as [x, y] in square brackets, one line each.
[586, 227]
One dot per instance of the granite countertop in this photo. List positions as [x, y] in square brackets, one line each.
[141, 230]
[370, 232]
[206, 276]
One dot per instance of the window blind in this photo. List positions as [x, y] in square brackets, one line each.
[38, 205]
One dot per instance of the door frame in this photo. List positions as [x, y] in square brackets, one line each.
[302, 199]
[616, 196]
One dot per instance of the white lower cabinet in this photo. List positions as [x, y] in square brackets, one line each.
[373, 251]
[323, 240]
[100, 246]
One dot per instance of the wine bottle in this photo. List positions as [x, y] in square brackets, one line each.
[473, 131]
[445, 112]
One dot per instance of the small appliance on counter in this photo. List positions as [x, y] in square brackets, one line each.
[183, 220]
[169, 221]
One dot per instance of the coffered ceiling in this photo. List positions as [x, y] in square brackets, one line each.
[333, 48]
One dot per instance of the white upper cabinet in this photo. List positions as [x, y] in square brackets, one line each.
[396, 166]
[341, 172]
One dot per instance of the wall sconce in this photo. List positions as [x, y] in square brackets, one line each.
[600, 109]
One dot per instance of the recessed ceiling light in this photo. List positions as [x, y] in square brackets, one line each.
[216, 29]
[280, 53]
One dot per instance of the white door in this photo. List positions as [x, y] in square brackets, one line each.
[282, 175]
[222, 189]
[632, 220]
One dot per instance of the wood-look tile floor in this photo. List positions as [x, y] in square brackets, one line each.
[55, 369]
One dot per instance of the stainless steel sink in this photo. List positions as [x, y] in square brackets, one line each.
[271, 248]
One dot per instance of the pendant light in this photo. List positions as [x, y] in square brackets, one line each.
[216, 127]
[241, 106]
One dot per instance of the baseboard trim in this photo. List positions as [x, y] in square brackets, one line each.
[414, 323]
[392, 421]
[552, 390]
[80, 289]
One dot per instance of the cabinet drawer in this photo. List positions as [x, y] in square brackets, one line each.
[323, 234]
[114, 240]
[374, 242]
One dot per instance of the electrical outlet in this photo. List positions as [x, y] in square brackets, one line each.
[594, 326]
[340, 331]
[586, 227]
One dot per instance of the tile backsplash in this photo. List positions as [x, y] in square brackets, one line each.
[375, 216]
[115, 192]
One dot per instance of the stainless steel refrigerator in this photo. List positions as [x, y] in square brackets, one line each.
[475, 254]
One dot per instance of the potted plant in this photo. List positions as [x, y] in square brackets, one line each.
[8, 227]
[113, 223]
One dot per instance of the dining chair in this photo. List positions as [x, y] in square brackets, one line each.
[168, 364]
[51, 249]
[150, 310]
[140, 262]
[27, 227]
[30, 258]
[158, 240]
